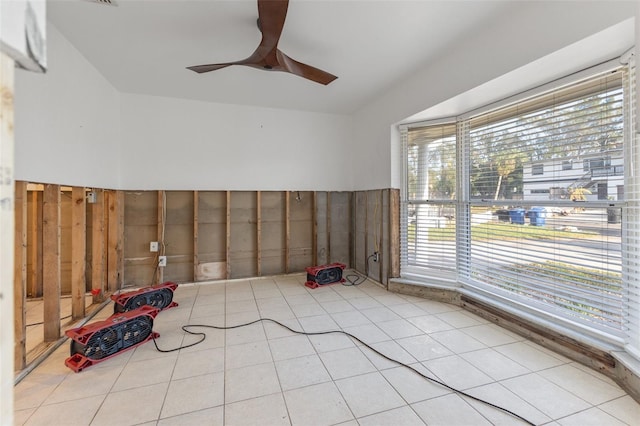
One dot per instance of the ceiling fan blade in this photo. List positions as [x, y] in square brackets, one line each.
[303, 70]
[211, 67]
[271, 17]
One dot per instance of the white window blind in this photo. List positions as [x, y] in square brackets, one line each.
[430, 202]
[529, 202]
[541, 231]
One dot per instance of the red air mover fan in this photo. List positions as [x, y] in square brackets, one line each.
[102, 340]
[325, 274]
[159, 296]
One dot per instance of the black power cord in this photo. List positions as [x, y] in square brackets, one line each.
[186, 328]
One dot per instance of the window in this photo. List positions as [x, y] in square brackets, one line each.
[493, 204]
[537, 169]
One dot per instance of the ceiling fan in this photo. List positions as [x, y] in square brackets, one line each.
[267, 56]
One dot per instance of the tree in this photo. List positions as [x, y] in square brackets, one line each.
[505, 167]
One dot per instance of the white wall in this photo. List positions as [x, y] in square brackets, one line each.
[185, 144]
[67, 121]
[528, 32]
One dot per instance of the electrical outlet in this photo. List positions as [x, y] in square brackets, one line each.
[376, 256]
[153, 246]
[162, 260]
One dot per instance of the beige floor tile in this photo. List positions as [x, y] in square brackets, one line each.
[390, 299]
[460, 319]
[33, 390]
[411, 386]
[331, 342]
[190, 364]
[448, 410]
[625, 409]
[350, 319]
[456, 372]
[303, 371]
[398, 329]
[236, 306]
[368, 394]
[131, 407]
[69, 413]
[497, 394]
[276, 331]
[404, 416]
[300, 299]
[148, 372]
[545, 395]
[318, 323]
[248, 334]
[494, 364]
[346, 363]
[250, 382]
[265, 410]
[430, 323]
[89, 382]
[246, 354]
[291, 347]
[364, 302]
[21, 416]
[368, 333]
[583, 385]
[209, 416]
[335, 306]
[193, 394]
[529, 357]
[326, 294]
[424, 348]
[457, 341]
[318, 405]
[308, 310]
[380, 314]
[491, 335]
[407, 310]
[389, 349]
[591, 417]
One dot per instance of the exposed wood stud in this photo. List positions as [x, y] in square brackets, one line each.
[20, 275]
[328, 227]
[161, 228]
[394, 232]
[35, 237]
[196, 208]
[51, 262]
[258, 233]
[114, 241]
[379, 242]
[287, 232]
[354, 230]
[228, 230]
[78, 251]
[366, 232]
[97, 246]
[314, 201]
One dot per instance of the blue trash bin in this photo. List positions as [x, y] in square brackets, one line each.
[537, 216]
[517, 216]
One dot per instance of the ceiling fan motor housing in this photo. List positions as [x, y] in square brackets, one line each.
[324, 274]
[101, 340]
[159, 296]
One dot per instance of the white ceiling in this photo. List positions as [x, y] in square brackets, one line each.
[143, 46]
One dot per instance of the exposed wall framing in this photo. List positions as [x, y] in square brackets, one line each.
[205, 235]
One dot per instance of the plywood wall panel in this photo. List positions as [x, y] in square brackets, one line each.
[243, 232]
[179, 236]
[340, 226]
[140, 224]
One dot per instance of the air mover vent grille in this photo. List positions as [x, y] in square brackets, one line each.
[159, 296]
[101, 340]
[325, 274]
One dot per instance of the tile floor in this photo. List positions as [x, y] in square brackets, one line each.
[265, 375]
